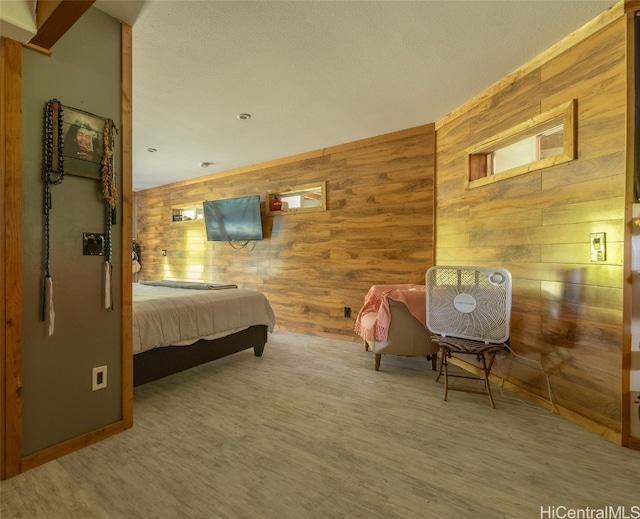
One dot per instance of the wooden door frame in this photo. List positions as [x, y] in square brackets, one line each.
[11, 258]
[12, 462]
[633, 148]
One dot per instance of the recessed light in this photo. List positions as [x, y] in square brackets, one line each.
[152, 150]
[244, 116]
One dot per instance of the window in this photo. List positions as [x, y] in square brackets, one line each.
[545, 140]
[187, 213]
[296, 199]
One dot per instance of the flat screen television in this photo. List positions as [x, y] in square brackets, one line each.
[233, 219]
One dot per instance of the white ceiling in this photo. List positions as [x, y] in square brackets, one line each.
[314, 73]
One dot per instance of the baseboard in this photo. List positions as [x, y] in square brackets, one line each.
[69, 446]
[597, 428]
[352, 337]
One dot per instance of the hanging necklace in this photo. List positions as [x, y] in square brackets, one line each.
[50, 128]
[51, 152]
[110, 194]
[107, 171]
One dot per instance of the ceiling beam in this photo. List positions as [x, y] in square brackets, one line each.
[54, 18]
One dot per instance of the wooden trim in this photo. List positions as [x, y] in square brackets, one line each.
[327, 335]
[370, 141]
[631, 5]
[634, 443]
[476, 165]
[3, 147]
[526, 128]
[11, 257]
[627, 314]
[44, 9]
[599, 22]
[31, 46]
[127, 229]
[72, 445]
[434, 205]
[54, 18]
[576, 418]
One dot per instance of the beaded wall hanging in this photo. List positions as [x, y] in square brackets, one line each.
[81, 144]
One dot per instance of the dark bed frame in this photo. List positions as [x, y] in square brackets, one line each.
[160, 362]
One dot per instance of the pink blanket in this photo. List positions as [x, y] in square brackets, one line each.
[374, 318]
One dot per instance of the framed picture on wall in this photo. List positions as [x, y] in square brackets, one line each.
[83, 145]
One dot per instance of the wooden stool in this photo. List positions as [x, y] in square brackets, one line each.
[481, 350]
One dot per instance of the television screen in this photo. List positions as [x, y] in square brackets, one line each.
[233, 219]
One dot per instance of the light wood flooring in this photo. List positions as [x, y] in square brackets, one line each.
[311, 430]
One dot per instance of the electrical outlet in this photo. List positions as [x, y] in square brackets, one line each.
[98, 378]
[346, 312]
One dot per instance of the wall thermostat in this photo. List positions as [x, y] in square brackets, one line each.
[598, 246]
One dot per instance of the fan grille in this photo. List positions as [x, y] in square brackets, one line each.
[452, 314]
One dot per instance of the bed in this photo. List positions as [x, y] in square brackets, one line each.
[179, 325]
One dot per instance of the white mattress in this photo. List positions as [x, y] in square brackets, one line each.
[164, 316]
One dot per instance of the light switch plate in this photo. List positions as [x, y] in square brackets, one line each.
[98, 378]
[598, 246]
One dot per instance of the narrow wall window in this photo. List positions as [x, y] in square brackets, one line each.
[309, 197]
[543, 141]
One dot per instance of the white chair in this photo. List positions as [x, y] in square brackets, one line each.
[469, 313]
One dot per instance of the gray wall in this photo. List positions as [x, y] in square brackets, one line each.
[59, 404]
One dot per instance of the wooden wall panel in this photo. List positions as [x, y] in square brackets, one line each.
[378, 229]
[567, 311]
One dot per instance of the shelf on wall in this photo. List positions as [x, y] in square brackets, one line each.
[185, 214]
[297, 199]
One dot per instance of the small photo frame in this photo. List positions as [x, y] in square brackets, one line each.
[93, 244]
[83, 145]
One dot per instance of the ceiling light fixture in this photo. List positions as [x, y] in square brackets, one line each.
[206, 164]
[152, 150]
[244, 116]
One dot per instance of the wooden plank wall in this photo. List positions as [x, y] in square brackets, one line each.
[378, 229]
[567, 310]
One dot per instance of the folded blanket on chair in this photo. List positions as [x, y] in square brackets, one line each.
[374, 318]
